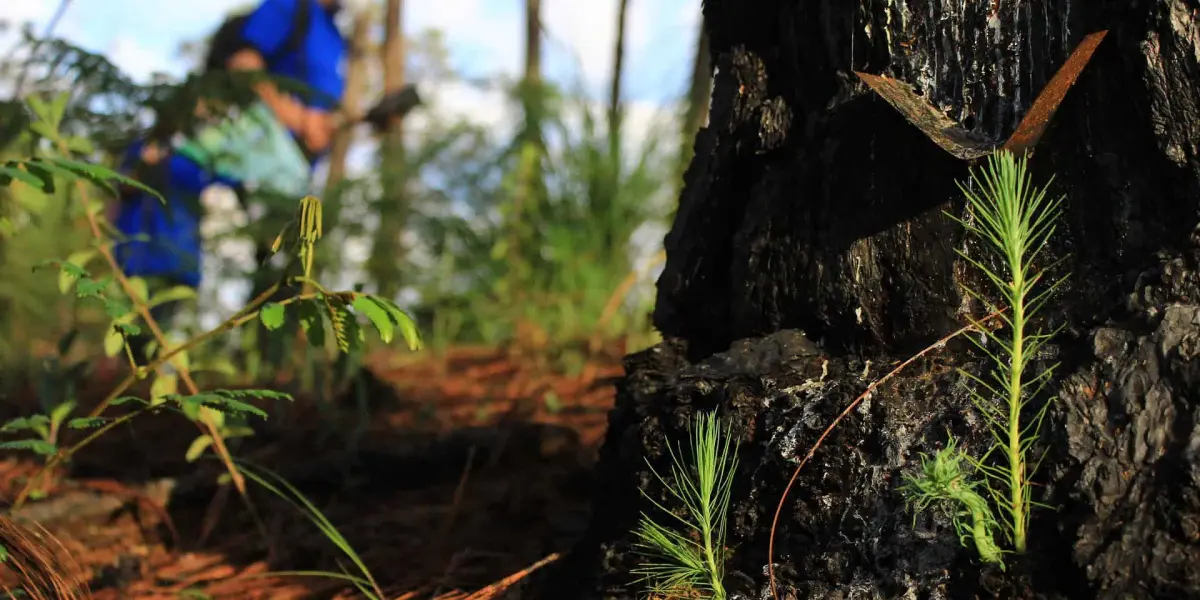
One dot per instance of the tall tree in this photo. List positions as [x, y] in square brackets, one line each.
[388, 254]
[614, 97]
[356, 84]
[527, 188]
[812, 254]
[695, 113]
[533, 40]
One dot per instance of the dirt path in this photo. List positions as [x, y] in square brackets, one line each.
[469, 469]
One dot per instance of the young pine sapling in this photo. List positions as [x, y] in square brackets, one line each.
[1014, 221]
[681, 565]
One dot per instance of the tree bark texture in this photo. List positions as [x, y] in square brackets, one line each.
[533, 40]
[614, 94]
[810, 254]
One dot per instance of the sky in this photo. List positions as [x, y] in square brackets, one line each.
[484, 36]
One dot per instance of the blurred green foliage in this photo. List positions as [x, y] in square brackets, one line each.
[496, 257]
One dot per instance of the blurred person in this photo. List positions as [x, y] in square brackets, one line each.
[295, 39]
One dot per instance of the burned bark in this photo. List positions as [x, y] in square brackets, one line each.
[811, 253]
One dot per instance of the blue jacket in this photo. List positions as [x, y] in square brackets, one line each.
[174, 248]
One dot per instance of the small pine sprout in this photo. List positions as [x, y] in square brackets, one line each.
[680, 565]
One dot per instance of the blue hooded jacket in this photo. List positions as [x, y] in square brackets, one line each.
[173, 249]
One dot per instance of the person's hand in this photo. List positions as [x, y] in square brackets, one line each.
[317, 133]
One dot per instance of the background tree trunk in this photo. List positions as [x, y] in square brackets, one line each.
[810, 254]
[356, 83]
[388, 253]
[533, 40]
[614, 94]
[528, 190]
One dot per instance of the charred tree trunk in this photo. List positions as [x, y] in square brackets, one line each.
[811, 253]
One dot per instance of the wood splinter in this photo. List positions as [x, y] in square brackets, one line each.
[971, 146]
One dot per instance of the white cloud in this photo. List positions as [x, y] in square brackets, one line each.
[483, 36]
[137, 60]
[589, 30]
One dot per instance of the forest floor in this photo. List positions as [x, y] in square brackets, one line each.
[471, 469]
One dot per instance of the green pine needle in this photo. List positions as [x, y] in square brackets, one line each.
[682, 564]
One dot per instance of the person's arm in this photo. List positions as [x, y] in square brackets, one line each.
[267, 29]
[289, 110]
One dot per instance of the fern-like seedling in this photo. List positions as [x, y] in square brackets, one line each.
[943, 481]
[688, 558]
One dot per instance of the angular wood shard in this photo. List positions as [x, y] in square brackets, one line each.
[1033, 125]
[970, 146]
[937, 126]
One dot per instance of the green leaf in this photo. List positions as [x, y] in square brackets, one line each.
[38, 107]
[73, 269]
[182, 360]
[178, 293]
[17, 424]
[190, 406]
[90, 288]
[80, 145]
[272, 315]
[114, 339]
[257, 394]
[87, 422]
[140, 289]
[311, 315]
[9, 172]
[117, 307]
[127, 328]
[198, 446]
[221, 402]
[126, 400]
[114, 342]
[377, 315]
[164, 386]
[408, 327]
[59, 413]
[101, 176]
[553, 402]
[237, 432]
[43, 129]
[58, 108]
[41, 447]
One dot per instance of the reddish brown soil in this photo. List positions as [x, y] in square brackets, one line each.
[446, 526]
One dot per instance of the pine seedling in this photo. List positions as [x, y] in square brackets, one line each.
[682, 565]
[1014, 221]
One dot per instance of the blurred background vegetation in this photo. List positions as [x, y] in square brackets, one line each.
[541, 235]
